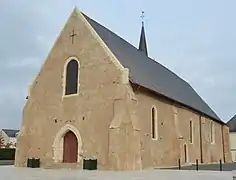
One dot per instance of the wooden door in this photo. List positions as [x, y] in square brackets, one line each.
[70, 148]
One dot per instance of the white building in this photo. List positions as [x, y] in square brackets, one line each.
[232, 129]
[9, 137]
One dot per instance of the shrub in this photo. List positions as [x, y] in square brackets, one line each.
[1, 141]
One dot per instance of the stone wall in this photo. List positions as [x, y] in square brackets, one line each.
[227, 145]
[174, 132]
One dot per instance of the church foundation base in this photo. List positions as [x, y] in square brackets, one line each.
[63, 166]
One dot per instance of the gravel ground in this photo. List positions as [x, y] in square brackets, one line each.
[12, 173]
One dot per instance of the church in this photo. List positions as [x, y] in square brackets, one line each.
[97, 97]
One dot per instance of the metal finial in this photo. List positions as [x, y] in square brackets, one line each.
[142, 17]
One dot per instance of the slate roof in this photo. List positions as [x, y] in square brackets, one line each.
[232, 124]
[150, 74]
[11, 132]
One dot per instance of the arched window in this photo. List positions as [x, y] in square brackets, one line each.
[71, 80]
[154, 123]
[191, 131]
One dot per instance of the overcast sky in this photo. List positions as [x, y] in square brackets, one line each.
[195, 39]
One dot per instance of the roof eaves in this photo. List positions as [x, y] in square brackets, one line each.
[182, 104]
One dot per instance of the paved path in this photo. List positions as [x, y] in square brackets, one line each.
[12, 173]
[210, 167]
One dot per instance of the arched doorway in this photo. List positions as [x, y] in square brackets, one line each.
[70, 148]
[58, 144]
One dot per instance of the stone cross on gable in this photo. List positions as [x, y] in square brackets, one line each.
[72, 36]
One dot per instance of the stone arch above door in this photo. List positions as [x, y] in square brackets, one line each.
[59, 141]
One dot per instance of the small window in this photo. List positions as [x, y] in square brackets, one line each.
[191, 131]
[154, 123]
[71, 84]
[212, 132]
[185, 153]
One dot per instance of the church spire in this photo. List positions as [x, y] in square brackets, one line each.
[142, 42]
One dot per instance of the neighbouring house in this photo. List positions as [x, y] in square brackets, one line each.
[99, 97]
[9, 137]
[232, 136]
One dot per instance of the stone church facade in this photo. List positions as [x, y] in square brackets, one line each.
[86, 103]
